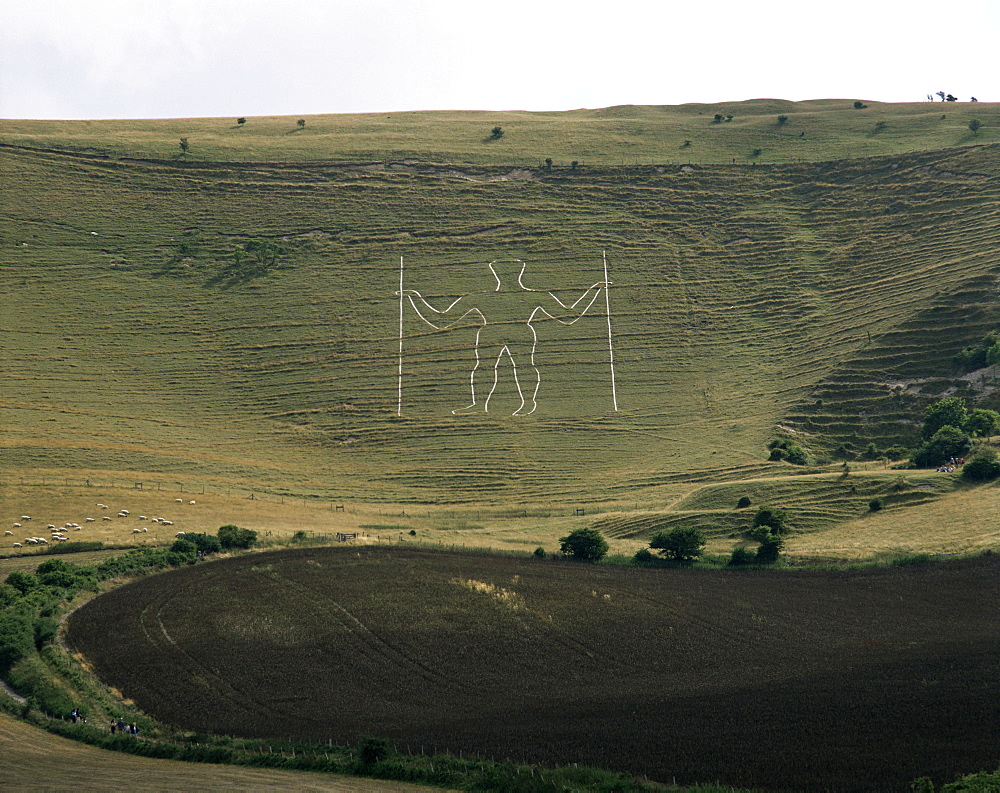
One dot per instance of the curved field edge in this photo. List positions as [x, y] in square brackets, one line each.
[35, 758]
[882, 647]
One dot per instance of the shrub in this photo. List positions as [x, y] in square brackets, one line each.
[301, 123]
[496, 133]
[17, 639]
[946, 443]
[782, 120]
[741, 556]
[974, 126]
[231, 536]
[859, 105]
[982, 423]
[785, 449]
[681, 544]
[22, 580]
[756, 152]
[539, 552]
[643, 556]
[373, 750]
[773, 519]
[743, 503]
[717, 119]
[241, 121]
[205, 543]
[949, 412]
[771, 545]
[587, 544]
[184, 546]
[984, 467]
[875, 505]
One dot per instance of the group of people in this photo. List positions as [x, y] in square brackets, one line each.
[951, 465]
[121, 727]
[76, 716]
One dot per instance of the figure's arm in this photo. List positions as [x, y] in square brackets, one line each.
[454, 312]
[578, 307]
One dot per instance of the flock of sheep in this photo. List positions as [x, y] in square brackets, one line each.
[59, 534]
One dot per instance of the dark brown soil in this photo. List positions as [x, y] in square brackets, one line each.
[857, 680]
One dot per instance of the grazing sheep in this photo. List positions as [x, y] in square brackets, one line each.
[167, 522]
[136, 531]
[124, 511]
[190, 502]
[91, 520]
[26, 517]
[102, 506]
[31, 541]
[143, 517]
[106, 518]
[18, 545]
[52, 525]
[156, 520]
[17, 525]
[77, 528]
[8, 534]
[145, 529]
[178, 500]
[42, 540]
[178, 534]
[61, 539]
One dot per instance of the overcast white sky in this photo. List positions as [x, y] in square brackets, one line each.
[92, 59]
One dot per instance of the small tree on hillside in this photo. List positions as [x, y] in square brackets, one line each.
[241, 121]
[949, 412]
[301, 123]
[946, 443]
[984, 467]
[982, 423]
[974, 126]
[680, 544]
[231, 536]
[773, 519]
[587, 544]
[782, 120]
[184, 146]
[496, 133]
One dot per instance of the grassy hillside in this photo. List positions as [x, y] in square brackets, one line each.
[230, 319]
[826, 129]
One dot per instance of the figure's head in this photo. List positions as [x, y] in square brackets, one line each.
[508, 273]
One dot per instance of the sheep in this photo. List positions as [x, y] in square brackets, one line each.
[145, 529]
[136, 531]
[91, 520]
[106, 517]
[18, 545]
[124, 511]
[102, 506]
[17, 525]
[31, 541]
[190, 502]
[61, 539]
[26, 517]
[178, 500]
[8, 534]
[77, 528]
[167, 522]
[143, 517]
[178, 534]
[52, 525]
[156, 520]
[42, 540]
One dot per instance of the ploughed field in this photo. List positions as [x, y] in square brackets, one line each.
[800, 680]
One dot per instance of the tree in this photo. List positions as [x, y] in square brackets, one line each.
[231, 536]
[743, 503]
[875, 505]
[241, 121]
[681, 544]
[984, 467]
[184, 146]
[301, 123]
[982, 423]
[204, 543]
[773, 519]
[950, 412]
[496, 133]
[782, 120]
[859, 105]
[717, 118]
[548, 163]
[585, 544]
[771, 545]
[946, 443]
[974, 126]
[184, 546]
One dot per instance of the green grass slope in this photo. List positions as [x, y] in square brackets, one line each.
[135, 341]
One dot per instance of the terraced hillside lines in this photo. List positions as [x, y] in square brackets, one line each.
[140, 336]
[652, 672]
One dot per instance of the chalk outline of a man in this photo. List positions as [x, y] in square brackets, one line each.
[502, 341]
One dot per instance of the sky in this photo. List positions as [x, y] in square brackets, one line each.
[101, 59]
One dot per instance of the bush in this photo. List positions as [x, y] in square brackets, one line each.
[743, 503]
[859, 105]
[184, 546]
[974, 126]
[231, 536]
[771, 545]
[741, 556]
[539, 552]
[946, 443]
[982, 423]
[22, 581]
[643, 556]
[681, 544]
[496, 133]
[587, 544]
[373, 750]
[717, 119]
[785, 449]
[17, 639]
[773, 519]
[875, 505]
[984, 467]
[782, 120]
[949, 412]
[205, 543]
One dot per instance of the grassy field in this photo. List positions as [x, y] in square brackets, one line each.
[663, 673]
[37, 760]
[827, 129]
[227, 323]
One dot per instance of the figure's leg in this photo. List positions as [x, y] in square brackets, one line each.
[472, 385]
[527, 376]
